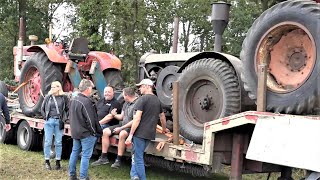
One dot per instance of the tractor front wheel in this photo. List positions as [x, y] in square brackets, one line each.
[209, 90]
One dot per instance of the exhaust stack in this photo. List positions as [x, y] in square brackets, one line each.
[220, 19]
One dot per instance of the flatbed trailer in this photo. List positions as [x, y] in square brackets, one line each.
[251, 142]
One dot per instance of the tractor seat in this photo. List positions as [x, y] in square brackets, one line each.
[79, 49]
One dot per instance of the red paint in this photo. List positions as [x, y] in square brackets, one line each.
[251, 118]
[191, 156]
[54, 52]
[225, 121]
[106, 60]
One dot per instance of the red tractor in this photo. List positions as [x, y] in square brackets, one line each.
[36, 66]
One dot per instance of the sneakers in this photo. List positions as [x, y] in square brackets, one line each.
[116, 164]
[100, 161]
[47, 165]
[135, 178]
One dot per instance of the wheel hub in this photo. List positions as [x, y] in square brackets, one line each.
[297, 59]
[206, 103]
[199, 101]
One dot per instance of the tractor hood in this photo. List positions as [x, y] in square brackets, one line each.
[152, 58]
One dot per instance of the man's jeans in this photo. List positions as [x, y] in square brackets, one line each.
[51, 127]
[137, 162]
[87, 145]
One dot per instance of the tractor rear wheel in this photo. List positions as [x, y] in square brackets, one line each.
[39, 72]
[209, 90]
[113, 78]
[286, 38]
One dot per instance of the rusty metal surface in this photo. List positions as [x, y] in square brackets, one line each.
[289, 50]
[175, 112]
[237, 157]
[262, 88]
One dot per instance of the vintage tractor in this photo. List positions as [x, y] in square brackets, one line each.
[213, 84]
[36, 66]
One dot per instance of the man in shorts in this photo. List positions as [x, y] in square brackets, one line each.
[122, 129]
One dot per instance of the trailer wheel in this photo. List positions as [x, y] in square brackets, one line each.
[209, 89]
[286, 38]
[6, 137]
[39, 72]
[113, 78]
[3, 88]
[27, 139]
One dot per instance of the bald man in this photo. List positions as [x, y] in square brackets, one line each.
[105, 106]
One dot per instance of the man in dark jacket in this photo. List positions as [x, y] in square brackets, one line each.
[85, 127]
[5, 111]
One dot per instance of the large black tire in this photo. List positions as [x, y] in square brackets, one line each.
[113, 78]
[6, 137]
[273, 26]
[3, 88]
[27, 139]
[209, 89]
[37, 71]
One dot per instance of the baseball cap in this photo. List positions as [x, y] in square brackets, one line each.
[145, 82]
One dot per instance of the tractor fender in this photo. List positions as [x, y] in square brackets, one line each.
[54, 53]
[106, 60]
[235, 62]
[232, 60]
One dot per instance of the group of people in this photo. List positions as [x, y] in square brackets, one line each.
[138, 119]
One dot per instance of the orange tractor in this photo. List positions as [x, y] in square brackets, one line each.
[36, 66]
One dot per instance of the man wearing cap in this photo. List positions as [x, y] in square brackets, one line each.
[85, 127]
[147, 112]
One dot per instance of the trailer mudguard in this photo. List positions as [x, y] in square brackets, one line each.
[54, 53]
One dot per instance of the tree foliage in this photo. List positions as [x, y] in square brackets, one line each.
[129, 28]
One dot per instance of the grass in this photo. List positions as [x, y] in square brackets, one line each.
[18, 164]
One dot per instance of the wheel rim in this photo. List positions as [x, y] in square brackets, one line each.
[203, 102]
[24, 137]
[32, 89]
[291, 59]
